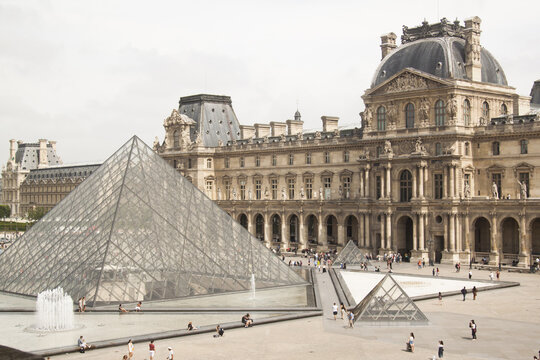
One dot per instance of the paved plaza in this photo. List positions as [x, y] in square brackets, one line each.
[508, 326]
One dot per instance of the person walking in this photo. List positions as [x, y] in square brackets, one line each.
[464, 292]
[334, 311]
[472, 326]
[131, 349]
[170, 355]
[152, 349]
[433, 272]
[474, 292]
[351, 319]
[498, 275]
[491, 276]
[470, 274]
[437, 272]
[440, 297]
[342, 310]
[410, 343]
[441, 349]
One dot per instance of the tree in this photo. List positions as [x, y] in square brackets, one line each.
[5, 211]
[36, 214]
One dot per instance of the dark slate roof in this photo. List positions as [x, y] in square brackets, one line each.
[535, 93]
[27, 156]
[60, 172]
[443, 57]
[214, 116]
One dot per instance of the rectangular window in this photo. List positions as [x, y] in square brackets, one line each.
[378, 186]
[308, 158]
[524, 147]
[326, 157]
[189, 163]
[274, 185]
[227, 185]
[524, 178]
[327, 184]
[242, 162]
[242, 190]
[346, 156]
[208, 163]
[209, 186]
[495, 148]
[257, 161]
[227, 162]
[291, 183]
[258, 189]
[438, 183]
[309, 189]
[274, 160]
[496, 178]
[346, 187]
[291, 159]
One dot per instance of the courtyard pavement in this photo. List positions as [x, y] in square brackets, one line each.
[508, 326]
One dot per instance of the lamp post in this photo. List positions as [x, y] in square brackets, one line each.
[430, 243]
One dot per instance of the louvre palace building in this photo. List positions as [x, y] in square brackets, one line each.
[441, 166]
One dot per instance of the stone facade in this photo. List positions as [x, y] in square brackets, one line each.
[441, 167]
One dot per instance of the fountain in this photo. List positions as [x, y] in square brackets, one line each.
[252, 286]
[54, 311]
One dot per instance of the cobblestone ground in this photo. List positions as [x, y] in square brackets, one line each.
[508, 327]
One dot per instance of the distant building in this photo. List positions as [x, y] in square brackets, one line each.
[44, 188]
[24, 157]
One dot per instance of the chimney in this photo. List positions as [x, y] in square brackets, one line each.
[262, 130]
[329, 123]
[278, 128]
[43, 161]
[473, 65]
[388, 43]
[247, 131]
[53, 144]
[12, 149]
[295, 126]
[535, 93]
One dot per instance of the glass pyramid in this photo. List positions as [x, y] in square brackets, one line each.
[137, 230]
[388, 302]
[351, 255]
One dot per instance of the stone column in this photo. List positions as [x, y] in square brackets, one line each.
[452, 244]
[445, 182]
[414, 230]
[361, 236]
[421, 232]
[456, 187]
[284, 232]
[494, 255]
[250, 224]
[466, 225]
[267, 232]
[524, 252]
[367, 190]
[445, 232]
[383, 231]
[362, 190]
[421, 182]
[367, 231]
[389, 230]
[302, 237]
[459, 232]
[388, 182]
[414, 188]
[322, 233]
[341, 234]
[451, 185]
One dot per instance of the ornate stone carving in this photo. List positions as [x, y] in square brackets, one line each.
[426, 30]
[388, 147]
[317, 134]
[367, 117]
[451, 109]
[423, 113]
[391, 116]
[419, 148]
[405, 82]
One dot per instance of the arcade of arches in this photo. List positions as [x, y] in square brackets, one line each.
[448, 236]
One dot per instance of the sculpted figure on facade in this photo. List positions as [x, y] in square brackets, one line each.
[391, 115]
[424, 112]
[494, 190]
[320, 194]
[406, 82]
[219, 194]
[388, 147]
[266, 194]
[367, 117]
[302, 194]
[198, 139]
[419, 147]
[522, 189]
[451, 109]
[250, 194]
[234, 194]
[300, 136]
[317, 134]
[283, 194]
[156, 144]
[467, 191]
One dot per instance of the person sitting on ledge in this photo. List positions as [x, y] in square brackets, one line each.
[190, 326]
[219, 331]
[138, 306]
[121, 309]
[81, 343]
[247, 320]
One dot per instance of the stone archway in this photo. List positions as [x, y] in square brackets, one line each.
[482, 235]
[259, 227]
[293, 229]
[535, 240]
[510, 236]
[351, 229]
[404, 236]
[331, 229]
[275, 223]
[312, 227]
[243, 220]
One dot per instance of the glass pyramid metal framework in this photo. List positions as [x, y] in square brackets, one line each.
[351, 255]
[138, 230]
[388, 302]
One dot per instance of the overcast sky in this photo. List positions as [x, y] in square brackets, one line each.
[90, 74]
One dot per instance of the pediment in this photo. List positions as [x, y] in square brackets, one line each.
[408, 80]
[327, 173]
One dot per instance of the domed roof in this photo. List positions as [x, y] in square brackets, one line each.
[443, 57]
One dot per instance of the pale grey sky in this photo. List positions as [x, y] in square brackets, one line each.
[90, 74]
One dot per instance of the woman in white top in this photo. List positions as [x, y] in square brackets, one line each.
[334, 310]
[131, 349]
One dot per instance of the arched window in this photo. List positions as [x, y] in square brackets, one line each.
[466, 112]
[381, 118]
[485, 111]
[409, 116]
[440, 113]
[176, 139]
[405, 186]
[208, 163]
[504, 109]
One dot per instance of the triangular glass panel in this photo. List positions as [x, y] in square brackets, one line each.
[351, 255]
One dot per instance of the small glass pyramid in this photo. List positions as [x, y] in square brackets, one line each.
[388, 302]
[351, 255]
[137, 230]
